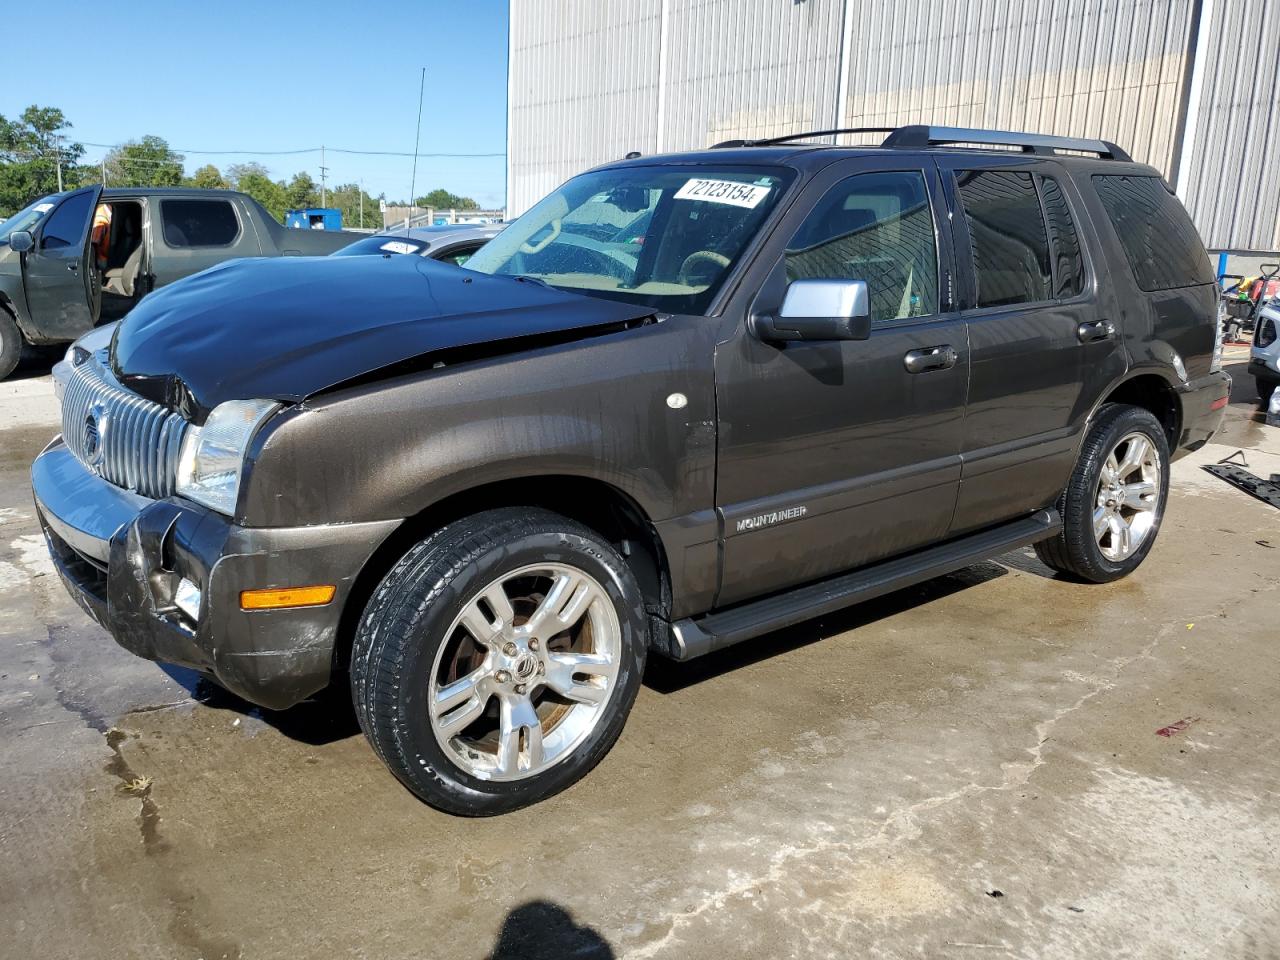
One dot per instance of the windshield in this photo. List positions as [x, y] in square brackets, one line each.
[662, 236]
[27, 217]
[381, 244]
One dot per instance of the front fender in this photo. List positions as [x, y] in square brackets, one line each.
[13, 296]
[599, 409]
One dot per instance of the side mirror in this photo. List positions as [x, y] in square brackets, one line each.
[20, 241]
[819, 310]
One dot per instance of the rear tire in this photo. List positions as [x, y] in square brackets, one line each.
[10, 344]
[496, 663]
[1114, 502]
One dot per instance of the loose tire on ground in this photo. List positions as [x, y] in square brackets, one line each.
[10, 344]
[467, 618]
[1091, 501]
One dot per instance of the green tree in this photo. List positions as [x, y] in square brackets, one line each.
[442, 199]
[30, 149]
[346, 197]
[148, 162]
[208, 177]
[238, 170]
[255, 180]
[302, 192]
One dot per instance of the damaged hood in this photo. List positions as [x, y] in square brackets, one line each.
[288, 328]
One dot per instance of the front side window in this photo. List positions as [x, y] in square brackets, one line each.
[1159, 240]
[664, 236]
[1007, 234]
[876, 227]
[460, 255]
[198, 223]
[68, 225]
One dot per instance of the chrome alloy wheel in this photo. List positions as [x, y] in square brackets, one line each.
[526, 672]
[1126, 509]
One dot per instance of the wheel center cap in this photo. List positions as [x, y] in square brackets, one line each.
[525, 666]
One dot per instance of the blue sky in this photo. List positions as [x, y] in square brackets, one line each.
[267, 75]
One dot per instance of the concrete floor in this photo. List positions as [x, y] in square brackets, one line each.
[968, 768]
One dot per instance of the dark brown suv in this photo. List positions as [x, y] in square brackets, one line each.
[683, 401]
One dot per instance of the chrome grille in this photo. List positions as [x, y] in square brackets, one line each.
[117, 434]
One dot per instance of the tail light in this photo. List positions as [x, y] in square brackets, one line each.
[1266, 334]
[1216, 363]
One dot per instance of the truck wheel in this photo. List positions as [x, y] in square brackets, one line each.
[1265, 389]
[10, 344]
[1113, 504]
[496, 663]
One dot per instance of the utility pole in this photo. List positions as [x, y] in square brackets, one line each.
[323, 170]
[104, 169]
[361, 203]
[57, 147]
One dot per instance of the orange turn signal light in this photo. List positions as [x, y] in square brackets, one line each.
[282, 598]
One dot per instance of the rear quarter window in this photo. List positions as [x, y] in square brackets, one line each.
[1159, 239]
[198, 223]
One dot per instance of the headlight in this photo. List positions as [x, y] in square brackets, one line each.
[213, 455]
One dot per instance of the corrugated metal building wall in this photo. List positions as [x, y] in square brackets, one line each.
[1232, 184]
[593, 79]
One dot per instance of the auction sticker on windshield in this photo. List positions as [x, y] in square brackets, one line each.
[723, 191]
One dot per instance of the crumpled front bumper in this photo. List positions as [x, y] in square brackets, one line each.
[122, 556]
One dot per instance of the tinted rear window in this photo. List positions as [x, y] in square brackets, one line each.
[198, 223]
[1159, 239]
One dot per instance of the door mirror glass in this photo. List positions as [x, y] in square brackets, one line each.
[20, 241]
[820, 310]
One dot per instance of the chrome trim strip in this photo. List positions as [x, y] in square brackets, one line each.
[116, 434]
[82, 508]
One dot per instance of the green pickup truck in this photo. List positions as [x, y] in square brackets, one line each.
[56, 283]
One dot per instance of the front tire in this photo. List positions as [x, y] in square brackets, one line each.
[496, 663]
[10, 344]
[1114, 502]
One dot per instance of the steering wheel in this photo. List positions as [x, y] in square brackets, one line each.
[697, 257]
[530, 247]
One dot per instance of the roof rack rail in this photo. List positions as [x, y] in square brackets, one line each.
[1042, 143]
[772, 141]
[920, 135]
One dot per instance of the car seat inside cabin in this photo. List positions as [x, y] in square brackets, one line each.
[118, 253]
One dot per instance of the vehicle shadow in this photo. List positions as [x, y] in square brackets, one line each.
[326, 717]
[1244, 389]
[329, 716]
[670, 676]
[36, 362]
[541, 930]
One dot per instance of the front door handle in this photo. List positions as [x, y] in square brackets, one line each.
[941, 357]
[73, 267]
[1098, 330]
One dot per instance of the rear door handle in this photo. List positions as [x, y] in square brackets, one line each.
[73, 267]
[941, 357]
[1098, 330]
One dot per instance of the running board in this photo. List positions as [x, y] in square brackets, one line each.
[694, 637]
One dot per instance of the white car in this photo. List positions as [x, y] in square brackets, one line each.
[1264, 358]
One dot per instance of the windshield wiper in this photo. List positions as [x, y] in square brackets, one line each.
[525, 278]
